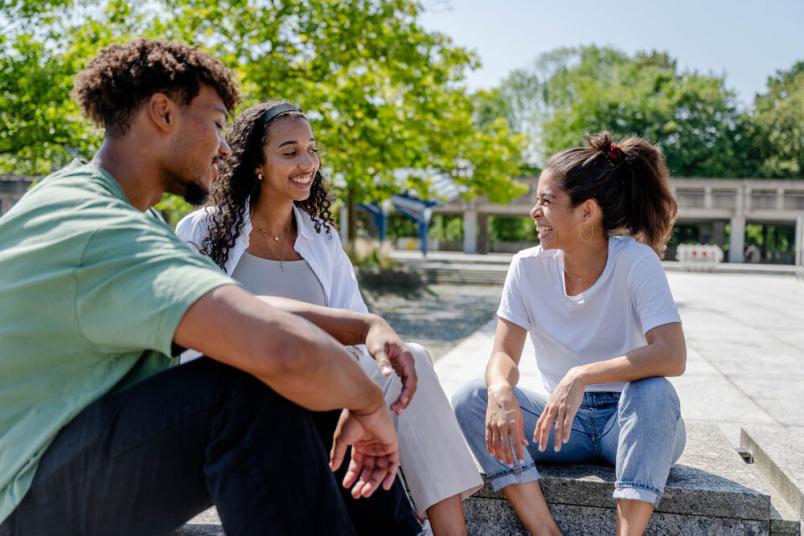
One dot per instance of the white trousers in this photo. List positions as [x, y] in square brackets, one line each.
[435, 460]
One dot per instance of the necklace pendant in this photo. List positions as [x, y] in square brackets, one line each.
[276, 239]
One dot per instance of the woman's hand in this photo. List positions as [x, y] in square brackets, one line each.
[560, 410]
[392, 355]
[505, 426]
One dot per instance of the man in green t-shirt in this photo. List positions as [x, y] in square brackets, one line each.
[97, 434]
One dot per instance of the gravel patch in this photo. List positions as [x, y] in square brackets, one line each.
[440, 316]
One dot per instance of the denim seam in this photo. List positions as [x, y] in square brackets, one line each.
[516, 469]
[620, 484]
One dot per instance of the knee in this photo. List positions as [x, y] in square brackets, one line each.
[421, 356]
[651, 392]
[470, 400]
[245, 395]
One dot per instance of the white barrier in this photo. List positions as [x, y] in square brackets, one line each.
[699, 257]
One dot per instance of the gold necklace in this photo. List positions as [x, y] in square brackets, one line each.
[285, 232]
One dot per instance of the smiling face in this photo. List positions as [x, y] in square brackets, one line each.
[291, 160]
[557, 221]
[198, 146]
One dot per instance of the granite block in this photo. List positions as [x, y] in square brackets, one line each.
[710, 480]
[779, 453]
[193, 529]
[494, 517]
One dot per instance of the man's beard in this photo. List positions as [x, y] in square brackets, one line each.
[190, 190]
[194, 193]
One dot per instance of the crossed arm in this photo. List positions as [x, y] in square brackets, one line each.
[281, 342]
[663, 355]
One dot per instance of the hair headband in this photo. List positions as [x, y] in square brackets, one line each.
[273, 111]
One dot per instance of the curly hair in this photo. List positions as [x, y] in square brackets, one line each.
[630, 182]
[237, 184]
[119, 80]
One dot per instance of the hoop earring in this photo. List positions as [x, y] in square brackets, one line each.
[591, 235]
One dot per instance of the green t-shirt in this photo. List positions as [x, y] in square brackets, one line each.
[91, 293]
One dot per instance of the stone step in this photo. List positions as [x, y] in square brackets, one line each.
[711, 490]
[206, 523]
[778, 454]
[467, 275]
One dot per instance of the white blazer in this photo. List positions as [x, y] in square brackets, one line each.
[322, 251]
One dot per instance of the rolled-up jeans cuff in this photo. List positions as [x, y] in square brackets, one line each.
[517, 475]
[637, 492]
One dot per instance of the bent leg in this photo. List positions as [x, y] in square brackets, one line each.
[519, 483]
[650, 438]
[144, 460]
[646, 437]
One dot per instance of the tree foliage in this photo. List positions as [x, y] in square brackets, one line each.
[779, 124]
[695, 118]
[381, 92]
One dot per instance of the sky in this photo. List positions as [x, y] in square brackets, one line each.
[745, 40]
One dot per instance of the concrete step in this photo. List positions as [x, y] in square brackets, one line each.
[711, 490]
[206, 523]
[778, 455]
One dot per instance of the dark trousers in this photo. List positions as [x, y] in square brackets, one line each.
[145, 460]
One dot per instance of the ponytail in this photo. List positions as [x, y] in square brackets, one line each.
[629, 180]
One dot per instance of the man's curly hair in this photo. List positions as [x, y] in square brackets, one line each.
[119, 80]
[237, 185]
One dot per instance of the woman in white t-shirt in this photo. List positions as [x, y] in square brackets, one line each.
[606, 334]
[268, 225]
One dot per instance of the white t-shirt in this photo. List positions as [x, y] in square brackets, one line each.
[608, 320]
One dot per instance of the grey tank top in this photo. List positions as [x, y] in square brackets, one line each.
[266, 278]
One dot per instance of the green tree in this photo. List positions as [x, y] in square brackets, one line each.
[381, 92]
[693, 117]
[779, 124]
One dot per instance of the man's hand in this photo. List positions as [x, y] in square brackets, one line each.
[391, 355]
[375, 451]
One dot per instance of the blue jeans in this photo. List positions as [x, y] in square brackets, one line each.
[640, 432]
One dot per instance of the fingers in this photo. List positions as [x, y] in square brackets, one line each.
[383, 363]
[390, 477]
[546, 421]
[405, 367]
[555, 416]
[352, 471]
[518, 440]
[339, 443]
[369, 473]
[559, 426]
[567, 428]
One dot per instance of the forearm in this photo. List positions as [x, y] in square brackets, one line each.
[502, 370]
[656, 359]
[291, 355]
[347, 327]
[319, 374]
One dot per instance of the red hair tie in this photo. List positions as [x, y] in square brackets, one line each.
[615, 153]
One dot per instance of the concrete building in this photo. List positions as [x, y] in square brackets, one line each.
[707, 202]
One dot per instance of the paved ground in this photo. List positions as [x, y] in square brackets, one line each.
[745, 340]
[440, 317]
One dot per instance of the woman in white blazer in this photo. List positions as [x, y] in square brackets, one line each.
[268, 225]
